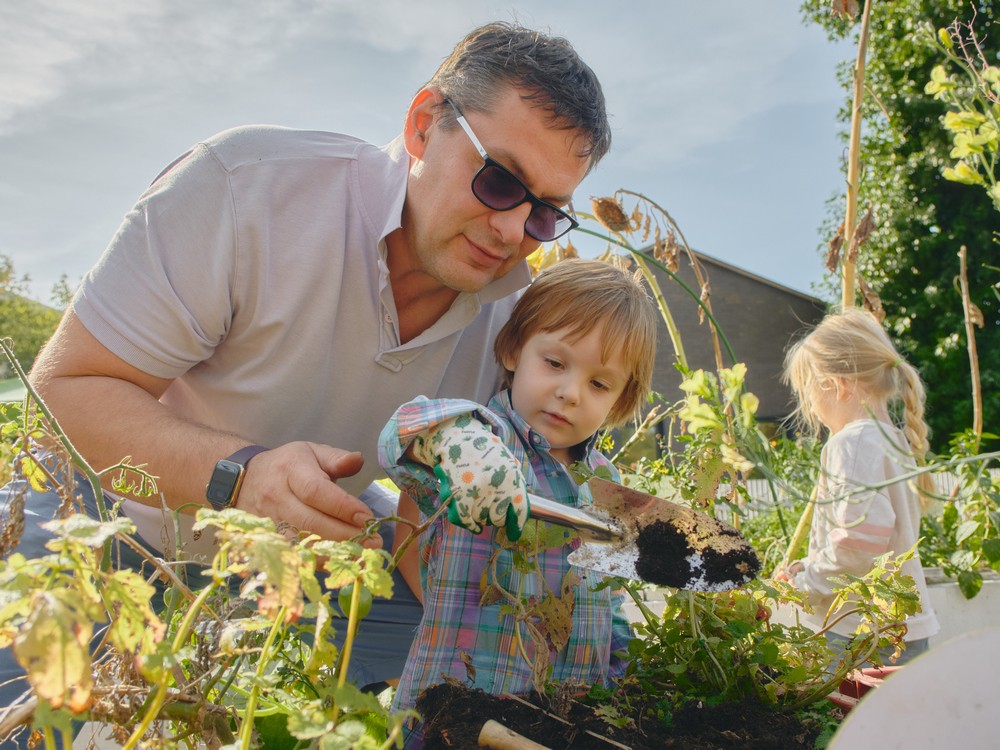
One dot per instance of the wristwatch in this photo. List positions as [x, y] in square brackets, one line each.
[224, 486]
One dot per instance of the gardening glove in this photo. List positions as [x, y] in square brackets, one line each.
[480, 478]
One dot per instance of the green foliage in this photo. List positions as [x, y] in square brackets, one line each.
[28, 323]
[973, 98]
[963, 538]
[923, 218]
[725, 646]
[247, 660]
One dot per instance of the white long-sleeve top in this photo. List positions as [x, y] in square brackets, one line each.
[852, 525]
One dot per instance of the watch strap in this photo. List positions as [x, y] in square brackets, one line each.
[243, 455]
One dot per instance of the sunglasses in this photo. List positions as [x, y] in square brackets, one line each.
[498, 188]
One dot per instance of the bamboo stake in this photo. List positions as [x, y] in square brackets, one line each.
[854, 165]
[977, 390]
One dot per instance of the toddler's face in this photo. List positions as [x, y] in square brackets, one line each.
[563, 390]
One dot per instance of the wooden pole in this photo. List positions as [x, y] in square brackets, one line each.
[854, 165]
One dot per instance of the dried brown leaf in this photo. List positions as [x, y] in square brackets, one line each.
[470, 668]
[872, 302]
[636, 219]
[976, 315]
[556, 613]
[570, 250]
[610, 213]
[844, 9]
[706, 295]
[833, 254]
[646, 227]
[672, 252]
[861, 234]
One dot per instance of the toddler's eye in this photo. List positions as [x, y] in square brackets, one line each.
[599, 385]
[553, 363]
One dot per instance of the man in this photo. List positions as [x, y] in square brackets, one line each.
[276, 294]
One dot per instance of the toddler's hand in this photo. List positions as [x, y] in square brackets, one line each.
[478, 474]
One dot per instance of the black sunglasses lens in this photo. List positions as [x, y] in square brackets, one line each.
[545, 224]
[497, 188]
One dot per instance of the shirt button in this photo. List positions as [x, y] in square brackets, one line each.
[388, 318]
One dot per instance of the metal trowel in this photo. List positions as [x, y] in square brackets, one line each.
[630, 534]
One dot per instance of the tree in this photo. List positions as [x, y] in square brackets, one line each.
[923, 219]
[27, 322]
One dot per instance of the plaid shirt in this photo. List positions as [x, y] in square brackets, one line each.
[454, 569]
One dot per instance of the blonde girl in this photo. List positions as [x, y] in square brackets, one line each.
[848, 377]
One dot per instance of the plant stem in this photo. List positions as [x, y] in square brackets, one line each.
[95, 483]
[661, 302]
[246, 728]
[675, 277]
[801, 531]
[152, 709]
[854, 164]
[352, 631]
[970, 333]
[695, 264]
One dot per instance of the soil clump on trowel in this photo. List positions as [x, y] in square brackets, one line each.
[668, 544]
[667, 557]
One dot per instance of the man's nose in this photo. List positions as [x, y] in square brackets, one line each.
[510, 224]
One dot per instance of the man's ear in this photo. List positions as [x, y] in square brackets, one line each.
[421, 115]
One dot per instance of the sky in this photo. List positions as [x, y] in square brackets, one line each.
[723, 112]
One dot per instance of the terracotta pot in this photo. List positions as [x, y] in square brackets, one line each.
[853, 687]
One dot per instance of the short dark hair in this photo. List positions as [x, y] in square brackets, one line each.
[545, 68]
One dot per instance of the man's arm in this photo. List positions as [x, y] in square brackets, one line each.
[110, 409]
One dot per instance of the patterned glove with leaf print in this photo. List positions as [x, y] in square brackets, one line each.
[480, 478]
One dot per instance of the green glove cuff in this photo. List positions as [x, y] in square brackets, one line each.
[514, 531]
[444, 492]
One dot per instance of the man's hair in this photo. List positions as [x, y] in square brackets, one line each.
[579, 296]
[545, 69]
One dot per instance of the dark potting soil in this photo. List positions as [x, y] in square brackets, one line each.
[665, 551]
[455, 715]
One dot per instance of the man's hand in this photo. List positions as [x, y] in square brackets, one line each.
[478, 473]
[296, 484]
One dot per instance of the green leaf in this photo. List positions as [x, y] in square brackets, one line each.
[128, 595]
[959, 122]
[82, 529]
[969, 583]
[991, 550]
[53, 647]
[308, 720]
[273, 731]
[967, 529]
[963, 173]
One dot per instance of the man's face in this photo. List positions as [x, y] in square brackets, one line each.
[454, 238]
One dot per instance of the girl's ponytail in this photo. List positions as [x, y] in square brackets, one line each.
[911, 389]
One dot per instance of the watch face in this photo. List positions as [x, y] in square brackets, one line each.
[222, 485]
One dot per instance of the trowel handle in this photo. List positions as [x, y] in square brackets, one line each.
[589, 528]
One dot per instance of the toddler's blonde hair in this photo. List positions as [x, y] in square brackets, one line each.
[580, 295]
[853, 345]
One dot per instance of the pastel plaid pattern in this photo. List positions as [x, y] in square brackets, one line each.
[455, 570]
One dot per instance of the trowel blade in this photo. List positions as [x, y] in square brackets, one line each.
[665, 543]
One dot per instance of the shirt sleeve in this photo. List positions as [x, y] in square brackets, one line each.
[411, 419]
[161, 297]
[853, 523]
